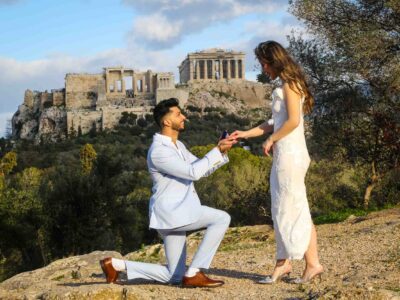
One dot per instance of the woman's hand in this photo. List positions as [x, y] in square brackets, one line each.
[239, 135]
[267, 145]
[226, 144]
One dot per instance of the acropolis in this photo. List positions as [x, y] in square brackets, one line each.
[97, 101]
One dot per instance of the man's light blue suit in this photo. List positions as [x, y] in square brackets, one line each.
[175, 208]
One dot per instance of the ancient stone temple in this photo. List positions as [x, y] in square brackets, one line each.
[93, 102]
[211, 65]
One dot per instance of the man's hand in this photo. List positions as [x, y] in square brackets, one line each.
[226, 144]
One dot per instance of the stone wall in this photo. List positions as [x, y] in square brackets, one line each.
[180, 94]
[81, 90]
[83, 121]
[111, 116]
[58, 97]
[46, 100]
[28, 99]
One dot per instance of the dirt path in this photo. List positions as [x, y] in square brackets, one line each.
[361, 257]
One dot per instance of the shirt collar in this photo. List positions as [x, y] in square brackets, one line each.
[163, 138]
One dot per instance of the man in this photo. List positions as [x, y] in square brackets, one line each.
[175, 207]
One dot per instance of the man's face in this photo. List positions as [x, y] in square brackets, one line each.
[175, 119]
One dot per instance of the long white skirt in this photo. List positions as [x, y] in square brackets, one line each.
[289, 205]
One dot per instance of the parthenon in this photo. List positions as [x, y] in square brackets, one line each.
[212, 64]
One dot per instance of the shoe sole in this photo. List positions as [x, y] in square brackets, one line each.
[196, 286]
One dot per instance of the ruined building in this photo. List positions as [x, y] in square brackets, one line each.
[212, 65]
[97, 101]
[92, 102]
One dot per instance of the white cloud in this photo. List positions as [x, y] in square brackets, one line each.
[156, 29]
[165, 22]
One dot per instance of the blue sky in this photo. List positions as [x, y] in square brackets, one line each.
[42, 40]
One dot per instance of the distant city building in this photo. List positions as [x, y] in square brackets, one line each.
[212, 64]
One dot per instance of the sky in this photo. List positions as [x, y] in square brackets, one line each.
[42, 40]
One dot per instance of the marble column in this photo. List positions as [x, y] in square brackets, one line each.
[221, 70]
[134, 84]
[123, 90]
[150, 81]
[243, 69]
[107, 83]
[236, 69]
[205, 69]
[228, 69]
[190, 70]
[197, 69]
[213, 69]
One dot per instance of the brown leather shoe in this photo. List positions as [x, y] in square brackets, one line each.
[200, 280]
[108, 269]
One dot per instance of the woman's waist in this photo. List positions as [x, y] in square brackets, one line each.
[291, 143]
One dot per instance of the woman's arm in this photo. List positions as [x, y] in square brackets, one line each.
[293, 104]
[254, 132]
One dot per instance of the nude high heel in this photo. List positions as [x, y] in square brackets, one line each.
[309, 279]
[269, 280]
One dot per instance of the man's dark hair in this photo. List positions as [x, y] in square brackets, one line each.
[162, 109]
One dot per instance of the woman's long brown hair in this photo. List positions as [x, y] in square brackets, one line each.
[287, 69]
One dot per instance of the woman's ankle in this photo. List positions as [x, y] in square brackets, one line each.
[314, 265]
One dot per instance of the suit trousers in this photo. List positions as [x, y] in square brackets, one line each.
[216, 223]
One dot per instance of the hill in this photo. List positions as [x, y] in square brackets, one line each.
[361, 257]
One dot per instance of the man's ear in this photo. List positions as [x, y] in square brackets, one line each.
[165, 122]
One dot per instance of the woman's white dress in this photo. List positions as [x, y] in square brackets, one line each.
[289, 206]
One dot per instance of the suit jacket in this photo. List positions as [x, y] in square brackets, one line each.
[174, 201]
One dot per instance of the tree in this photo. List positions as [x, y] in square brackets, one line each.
[240, 187]
[88, 156]
[354, 63]
[7, 164]
[23, 242]
[263, 78]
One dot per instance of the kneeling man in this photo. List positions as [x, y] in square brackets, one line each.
[175, 207]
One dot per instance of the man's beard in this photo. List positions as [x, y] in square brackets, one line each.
[178, 127]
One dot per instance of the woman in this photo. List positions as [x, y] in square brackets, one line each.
[294, 231]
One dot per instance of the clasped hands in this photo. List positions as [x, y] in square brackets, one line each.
[238, 134]
[226, 144]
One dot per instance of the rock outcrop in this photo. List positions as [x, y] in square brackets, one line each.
[235, 97]
[361, 257]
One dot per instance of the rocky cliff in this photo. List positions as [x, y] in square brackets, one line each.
[361, 257]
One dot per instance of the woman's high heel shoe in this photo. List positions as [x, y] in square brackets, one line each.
[270, 280]
[309, 279]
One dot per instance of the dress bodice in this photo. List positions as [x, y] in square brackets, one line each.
[294, 143]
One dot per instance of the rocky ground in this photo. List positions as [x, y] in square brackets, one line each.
[361, 258]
